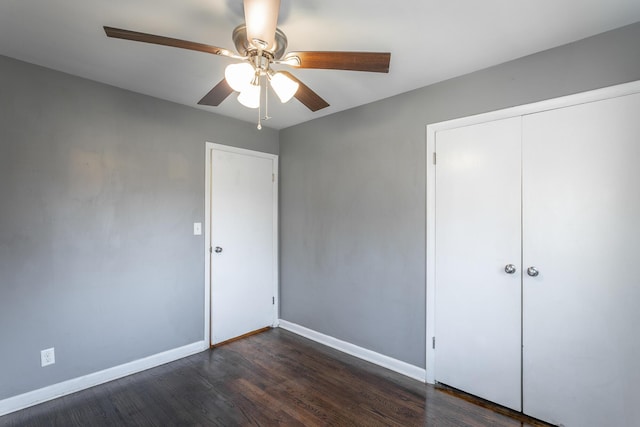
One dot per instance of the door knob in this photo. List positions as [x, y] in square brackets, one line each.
[532, 271]
[218, 249]
[509, 268]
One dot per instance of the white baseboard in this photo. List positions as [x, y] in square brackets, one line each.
[64, 388]
[35, 397]
[396, 365]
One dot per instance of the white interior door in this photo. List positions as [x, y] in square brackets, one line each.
[242, 238]
[477, 233]
[581, 220]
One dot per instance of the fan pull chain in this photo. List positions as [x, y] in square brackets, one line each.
[263, 83]
[266, 99]
[260, 106]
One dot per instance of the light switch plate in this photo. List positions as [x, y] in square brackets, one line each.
[197, 228]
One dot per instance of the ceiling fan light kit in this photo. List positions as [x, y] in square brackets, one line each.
[260, 44]
[250, 96]
[239, 75]
[283, 86]
[244, 77]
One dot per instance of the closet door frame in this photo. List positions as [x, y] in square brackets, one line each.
[432, 129]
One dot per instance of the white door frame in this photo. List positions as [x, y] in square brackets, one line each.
[209, 147]
[551, 104]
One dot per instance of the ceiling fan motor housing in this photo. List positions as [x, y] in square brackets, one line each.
[245, 48]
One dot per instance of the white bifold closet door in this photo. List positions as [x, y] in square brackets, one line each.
[477, 316]
[557, 193]
[581, 230]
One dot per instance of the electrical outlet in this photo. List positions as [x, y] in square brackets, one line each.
[47, 357]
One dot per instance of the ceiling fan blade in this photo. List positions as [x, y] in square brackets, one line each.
[376, 62]
[307, 96]
[119, 33]
[216, 95]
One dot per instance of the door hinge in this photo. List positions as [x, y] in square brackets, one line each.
[210, 249]
[273, 177]
[434, 157]
[433, 342]
[273, 300]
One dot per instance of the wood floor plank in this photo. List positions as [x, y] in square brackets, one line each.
[274, 378]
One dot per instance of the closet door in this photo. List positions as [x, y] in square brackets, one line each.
[477, 314]
[581, 224]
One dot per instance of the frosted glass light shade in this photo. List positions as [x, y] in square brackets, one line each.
[283, 86]
[250, 96]
[239, 76]
[261, 18]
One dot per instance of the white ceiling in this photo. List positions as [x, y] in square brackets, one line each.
[429, 41]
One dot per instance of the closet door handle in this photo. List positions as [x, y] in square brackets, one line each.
[532, 271]
[509, 268]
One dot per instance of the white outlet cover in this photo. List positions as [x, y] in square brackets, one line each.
[47, 357]
[197, 228]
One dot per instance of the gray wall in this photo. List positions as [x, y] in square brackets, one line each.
[99, 188]
[352, 192]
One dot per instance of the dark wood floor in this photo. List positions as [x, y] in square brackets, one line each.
[274, 378]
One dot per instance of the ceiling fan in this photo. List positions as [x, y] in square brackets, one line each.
[260, 45]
